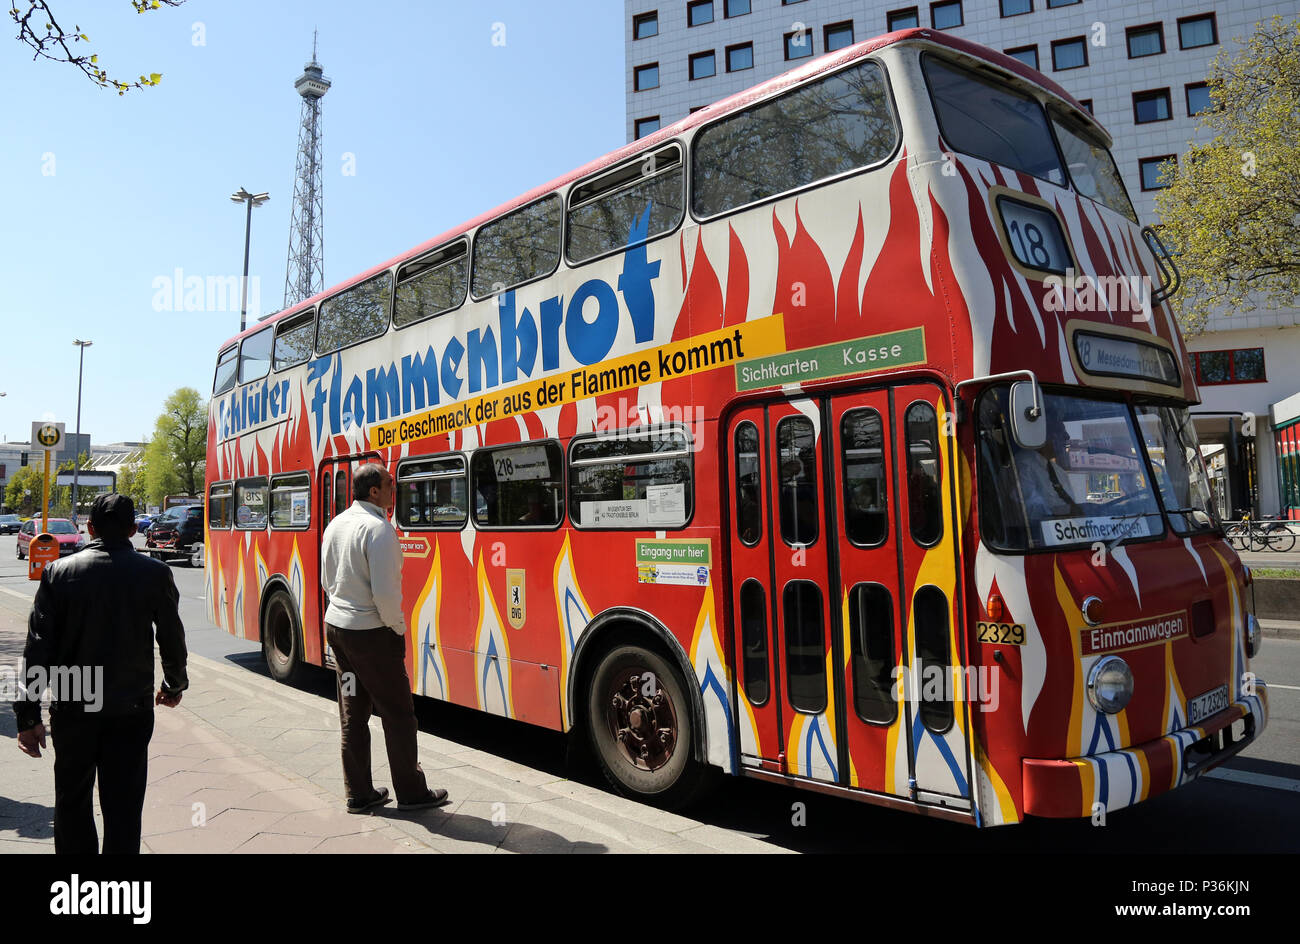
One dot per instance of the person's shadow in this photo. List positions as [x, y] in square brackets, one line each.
[499, 833]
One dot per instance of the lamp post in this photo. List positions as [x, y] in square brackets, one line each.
[76, 443]
[253, 200]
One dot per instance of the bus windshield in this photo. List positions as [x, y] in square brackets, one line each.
[1087, 483]
[1179, 470]
[992, 121]
[1092, 169]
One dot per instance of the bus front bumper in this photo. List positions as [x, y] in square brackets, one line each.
[1089, 786]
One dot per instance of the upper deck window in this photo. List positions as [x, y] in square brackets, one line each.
[992, 121]
[832, 126]
[609, 212]
[293, 340]
[431, 285]
[227, 367]
[356, 314]
[517, 248]
[255, 356]
[1092, 169]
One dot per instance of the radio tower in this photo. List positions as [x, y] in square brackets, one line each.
[304, 274]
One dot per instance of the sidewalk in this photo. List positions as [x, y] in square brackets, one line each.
[246, 765]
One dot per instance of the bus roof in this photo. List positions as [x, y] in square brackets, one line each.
[736, 102]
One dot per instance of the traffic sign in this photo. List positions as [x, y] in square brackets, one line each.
[47, 436]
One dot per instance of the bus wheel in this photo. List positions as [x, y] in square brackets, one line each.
[282, 637]
[640, 725]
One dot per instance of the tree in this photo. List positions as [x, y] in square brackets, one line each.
[23, 493]
[174, 458]
[1232, 208]
[38, 29]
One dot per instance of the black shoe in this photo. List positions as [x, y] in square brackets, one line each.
[431, 799]
[378, 798]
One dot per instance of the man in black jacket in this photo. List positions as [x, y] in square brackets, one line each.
[90, 640]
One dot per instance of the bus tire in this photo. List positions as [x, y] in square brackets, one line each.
[640, 727]
[282, 637]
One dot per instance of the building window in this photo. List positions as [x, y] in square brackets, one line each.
[704, 65]
[1053, 4]
[1069, 53]
[1151, 106]
[1151, 168]
[740, 58]
[1146, 40]
[1087, 105]
[838, 35]
[1017, 7]
[732, 8]
[1198, 98]
[946, 15]
[1197, 31]
[645, 25]
[1244, 365]
[699, 12]
[646, 77]
[798, 45]
[646, 126]
[902, 19]
[1026, 54]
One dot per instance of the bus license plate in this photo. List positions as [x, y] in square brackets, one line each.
[1202, 706]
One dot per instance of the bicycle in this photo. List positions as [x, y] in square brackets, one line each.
[1267, 534]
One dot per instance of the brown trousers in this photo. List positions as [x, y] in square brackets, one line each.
[372, 678]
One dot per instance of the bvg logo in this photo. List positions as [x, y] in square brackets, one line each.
[48, 436]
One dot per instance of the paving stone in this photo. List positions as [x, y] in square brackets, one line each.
[278, 844]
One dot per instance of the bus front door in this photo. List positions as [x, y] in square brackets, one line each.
[843, 588]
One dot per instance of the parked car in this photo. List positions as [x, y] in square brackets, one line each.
[65, 532]
[177, 534]
[142, 523]
[10, 524]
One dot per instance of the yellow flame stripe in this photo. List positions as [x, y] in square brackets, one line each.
[1073, 618]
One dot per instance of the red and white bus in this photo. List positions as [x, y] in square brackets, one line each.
[835, 435]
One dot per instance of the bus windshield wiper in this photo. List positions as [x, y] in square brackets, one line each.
[1136, 517]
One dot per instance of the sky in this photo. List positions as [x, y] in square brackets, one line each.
[438, 111]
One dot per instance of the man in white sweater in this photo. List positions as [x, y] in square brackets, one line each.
[361, 571]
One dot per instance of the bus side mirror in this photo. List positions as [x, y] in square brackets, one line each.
[1028, 425]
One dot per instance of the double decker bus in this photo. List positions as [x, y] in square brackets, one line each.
[836, 435]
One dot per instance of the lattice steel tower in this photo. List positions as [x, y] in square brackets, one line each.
[304, 274]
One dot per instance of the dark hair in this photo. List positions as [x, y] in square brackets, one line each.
[365, 478]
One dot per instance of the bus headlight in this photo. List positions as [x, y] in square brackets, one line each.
[1253, 636]
[1110, 685]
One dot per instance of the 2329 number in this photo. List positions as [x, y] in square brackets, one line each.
[1007, 634]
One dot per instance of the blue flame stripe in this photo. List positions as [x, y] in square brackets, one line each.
[917, 730]
[711, 683]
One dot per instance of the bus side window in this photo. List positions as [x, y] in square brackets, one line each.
[930, 613]
[805, 646]
[797, 453]
[340, 491]
[871, 621]
[924, 497]
[749, 485]
[862, 443]
[520, 486]
[753, 634]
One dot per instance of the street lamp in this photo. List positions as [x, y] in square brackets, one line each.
[253, 200]
[76, 443]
